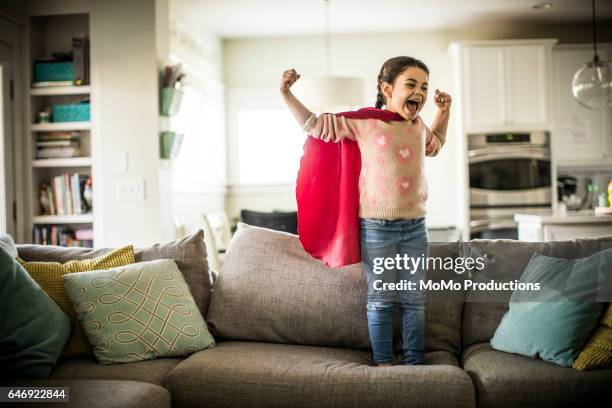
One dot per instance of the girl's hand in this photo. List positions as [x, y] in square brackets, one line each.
[289, 78]
[443, 100]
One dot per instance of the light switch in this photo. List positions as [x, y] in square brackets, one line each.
[131, 190]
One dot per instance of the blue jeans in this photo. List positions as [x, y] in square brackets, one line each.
[406, 240]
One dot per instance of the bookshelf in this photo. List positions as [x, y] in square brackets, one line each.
[61, 153]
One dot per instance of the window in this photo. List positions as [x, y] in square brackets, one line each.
[270, 145]
[201, 159]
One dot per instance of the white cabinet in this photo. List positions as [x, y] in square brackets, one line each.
[505, 85]
[580, 136]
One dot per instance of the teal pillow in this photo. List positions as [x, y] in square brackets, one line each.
[33, 329]
[138, 312]
[555, 322]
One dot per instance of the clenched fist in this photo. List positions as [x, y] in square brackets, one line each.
[443, 100]
[289, 78]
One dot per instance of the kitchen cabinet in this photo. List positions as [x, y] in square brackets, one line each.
[505, 85]
[580, 136]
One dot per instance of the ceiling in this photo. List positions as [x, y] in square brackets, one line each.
[257, 18]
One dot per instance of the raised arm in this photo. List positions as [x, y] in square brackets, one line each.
[436, 137]
[298, 110]
[327, 126]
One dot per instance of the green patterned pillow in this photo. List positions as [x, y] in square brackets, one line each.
[138, 312]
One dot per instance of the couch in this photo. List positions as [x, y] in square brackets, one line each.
[291, 332]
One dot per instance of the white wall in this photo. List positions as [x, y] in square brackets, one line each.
[125, 63]
[251, 64]
[204, 188]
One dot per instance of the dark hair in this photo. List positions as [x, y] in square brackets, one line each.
[391, 69]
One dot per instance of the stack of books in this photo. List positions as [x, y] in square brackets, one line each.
[58, 145]
[67, 194]
[62, 236]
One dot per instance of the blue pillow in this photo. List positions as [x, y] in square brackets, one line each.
[33, 329]
[555, 322]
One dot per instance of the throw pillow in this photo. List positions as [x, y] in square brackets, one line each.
[33, 329]
[138, 312]
[554, 322]
[597, 353]
[7, 243]
[49, 276]
[188, 252]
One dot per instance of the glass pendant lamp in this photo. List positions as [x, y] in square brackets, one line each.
[592, 84]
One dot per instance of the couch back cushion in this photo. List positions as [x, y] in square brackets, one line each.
[270, 290]
[189, 253]
[506, 261]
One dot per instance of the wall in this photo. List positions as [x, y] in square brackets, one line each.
[125, 65]
[255, 65]
[199, 185]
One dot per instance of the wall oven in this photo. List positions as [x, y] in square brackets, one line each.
[508, 173]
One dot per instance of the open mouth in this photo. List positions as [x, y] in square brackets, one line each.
[413, 105]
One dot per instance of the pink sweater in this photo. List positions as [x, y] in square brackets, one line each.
[392, 182]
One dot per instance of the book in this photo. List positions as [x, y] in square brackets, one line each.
[58, 152]
[65, 194]
[58, 143]
[59, 135]
[84, 234]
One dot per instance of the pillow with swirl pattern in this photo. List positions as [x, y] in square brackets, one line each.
[138, 312]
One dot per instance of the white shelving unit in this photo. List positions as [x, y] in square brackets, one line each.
[60, 126]
[47, 34]
[67, 162]
[61, 90]
[64, 219]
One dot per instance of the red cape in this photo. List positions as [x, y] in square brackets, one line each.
[327, 192]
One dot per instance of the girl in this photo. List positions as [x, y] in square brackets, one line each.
[392, 192]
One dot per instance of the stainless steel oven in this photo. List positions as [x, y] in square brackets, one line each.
[508, 173]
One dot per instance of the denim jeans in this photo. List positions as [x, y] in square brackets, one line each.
[406, 240]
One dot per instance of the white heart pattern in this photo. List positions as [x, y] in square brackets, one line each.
[404, 153]
[381, 140]
[405, 184]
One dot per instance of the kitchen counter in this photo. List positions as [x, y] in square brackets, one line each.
[561, 226]
[568, 217]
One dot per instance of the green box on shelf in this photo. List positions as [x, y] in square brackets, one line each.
[53, 71]
[75, 112]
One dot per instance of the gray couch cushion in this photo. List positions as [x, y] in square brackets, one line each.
[510, 380]
[87, 368]
[236, 374]
[269, 289]
[189, 254]
[506, 261]
[106, 394]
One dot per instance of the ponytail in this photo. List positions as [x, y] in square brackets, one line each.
[380, 98]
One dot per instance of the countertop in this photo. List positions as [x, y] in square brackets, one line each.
[568, 217]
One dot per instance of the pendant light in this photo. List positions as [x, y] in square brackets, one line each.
[592, 85]
[330, 93]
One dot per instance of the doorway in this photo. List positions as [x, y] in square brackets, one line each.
[9, 125]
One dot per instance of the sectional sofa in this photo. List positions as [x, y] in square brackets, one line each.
[291, 332]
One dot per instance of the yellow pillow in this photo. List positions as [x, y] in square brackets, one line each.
[597, 353]
[49, 276]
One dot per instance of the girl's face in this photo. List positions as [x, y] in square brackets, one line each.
[408, 93]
